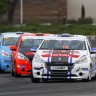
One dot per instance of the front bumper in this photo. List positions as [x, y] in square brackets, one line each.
[6, 63]
[23, 67]
[75, 71]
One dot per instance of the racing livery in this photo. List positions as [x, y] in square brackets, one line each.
[6, 40]
[23, 52]
[64, 58]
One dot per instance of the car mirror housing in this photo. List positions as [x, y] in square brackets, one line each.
[34, 49]
[13, 48]
[93, 50]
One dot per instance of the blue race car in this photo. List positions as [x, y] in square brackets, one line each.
[6, 40]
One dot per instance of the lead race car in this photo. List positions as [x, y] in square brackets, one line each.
[64, 58]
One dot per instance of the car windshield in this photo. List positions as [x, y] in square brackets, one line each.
[63, 45]
[30, 43]
[8, 41]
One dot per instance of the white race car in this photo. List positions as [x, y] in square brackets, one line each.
[64, 58]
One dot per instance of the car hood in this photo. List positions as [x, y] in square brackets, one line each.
[68, 56]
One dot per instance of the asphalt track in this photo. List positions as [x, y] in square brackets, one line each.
[10, 86]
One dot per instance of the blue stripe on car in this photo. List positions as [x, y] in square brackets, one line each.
[71, 63]
[48, 63]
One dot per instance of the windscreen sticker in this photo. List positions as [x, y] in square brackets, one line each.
[11, 36]
[60, 55]
[33, 37]
[46, 40]
[27, 37]
[71, 38]
[23, 40]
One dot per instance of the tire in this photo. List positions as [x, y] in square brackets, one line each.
[86, 80]
[94, 78]
[12, 73]
[1, 71]
[89, 77]
[34, 80]
[16, 75]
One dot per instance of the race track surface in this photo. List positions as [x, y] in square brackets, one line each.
[10, 86]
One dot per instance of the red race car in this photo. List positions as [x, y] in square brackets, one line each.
[22, 54]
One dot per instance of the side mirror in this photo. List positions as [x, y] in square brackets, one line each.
[34, 49]
[93, 50]
[13, 48]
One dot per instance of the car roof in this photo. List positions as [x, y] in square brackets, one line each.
[70, 35]
[79, 36]
[12, 33]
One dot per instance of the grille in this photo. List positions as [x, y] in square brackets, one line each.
[58, 76]
[59, 73]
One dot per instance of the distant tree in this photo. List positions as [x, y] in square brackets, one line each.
[4, 7]
[12, 4]
[83, 12]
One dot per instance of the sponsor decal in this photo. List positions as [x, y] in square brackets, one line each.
[63, 51]
[7, 60]
[60, 55]
[85, 69]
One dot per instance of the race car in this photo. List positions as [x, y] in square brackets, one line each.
[6, 40]
[23, 52]
[64, 58]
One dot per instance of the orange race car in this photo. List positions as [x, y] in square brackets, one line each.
[22, 54]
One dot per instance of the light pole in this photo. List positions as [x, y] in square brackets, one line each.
[21, 11]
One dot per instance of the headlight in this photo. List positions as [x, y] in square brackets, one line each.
[4, 53]
[38, 59]
[83, 59]
[21, 56]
